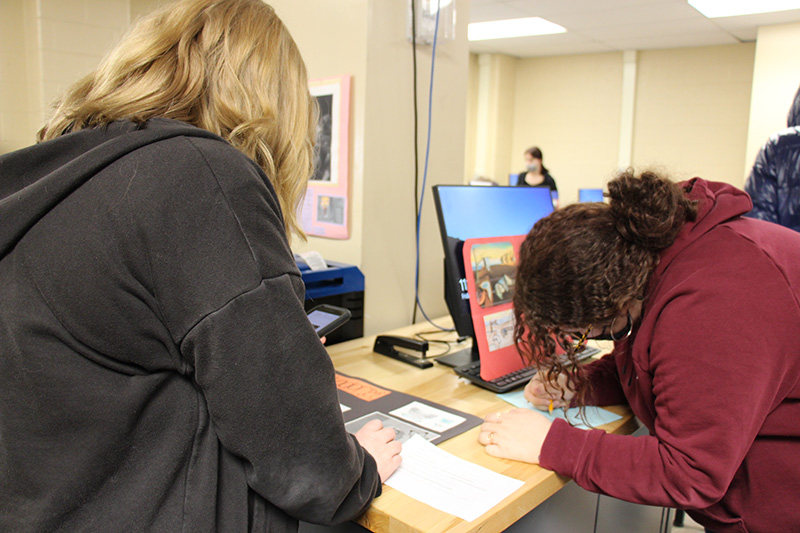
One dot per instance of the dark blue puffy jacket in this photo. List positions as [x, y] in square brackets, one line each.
[774, 182]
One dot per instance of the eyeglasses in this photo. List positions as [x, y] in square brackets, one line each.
[607, 334]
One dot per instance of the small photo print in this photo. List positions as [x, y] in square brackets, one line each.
[322, 166]
[427, 416]
[499, 329]
[403, 431]
[330, 209]
[494, 266]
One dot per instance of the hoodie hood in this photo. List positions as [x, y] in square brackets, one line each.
[35, 179]
[794, 112]
[717, 204]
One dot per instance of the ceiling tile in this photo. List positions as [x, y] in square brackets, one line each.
[672, 41]
[497, 11]
[603, 25]
[540, 45]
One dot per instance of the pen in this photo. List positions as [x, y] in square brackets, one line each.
[550, 407]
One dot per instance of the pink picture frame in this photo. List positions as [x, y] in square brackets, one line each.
[325, 208]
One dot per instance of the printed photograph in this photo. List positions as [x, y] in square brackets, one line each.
[494, 266]
[330, 209]
[499, 329]
[427, 416]
[403, 430]
[322, 164]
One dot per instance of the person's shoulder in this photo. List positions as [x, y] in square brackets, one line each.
[231, 168]
[786, 138]
[775, 151]
[210, 146]
[188, 146]
[184, 158]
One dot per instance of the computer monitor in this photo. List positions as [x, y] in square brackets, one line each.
[466, 212]
[590, 195]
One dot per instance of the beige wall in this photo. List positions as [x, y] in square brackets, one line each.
[45, 46]
[494, 108]
[776, 77]
[692, 109]
[75, 35]
[143, 7]
[681, 110]
[371, 46]
[389, 225]
[15, 126]
[570, 107]
[470, 131]
[313, 28]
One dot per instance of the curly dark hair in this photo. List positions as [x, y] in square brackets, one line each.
[586, 263]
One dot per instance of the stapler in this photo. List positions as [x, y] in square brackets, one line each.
[385, 345]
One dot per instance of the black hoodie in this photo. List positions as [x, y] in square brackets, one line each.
[157, 369]
[774, 182]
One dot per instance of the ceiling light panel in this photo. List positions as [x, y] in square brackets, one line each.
[734, 8]
[504, 29]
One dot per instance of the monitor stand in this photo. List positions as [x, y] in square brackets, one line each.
[461, 357]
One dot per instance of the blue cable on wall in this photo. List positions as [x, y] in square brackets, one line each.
[425, 169]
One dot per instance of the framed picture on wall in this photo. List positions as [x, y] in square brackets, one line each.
[326, 204]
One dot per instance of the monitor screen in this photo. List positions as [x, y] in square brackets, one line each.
[467, 212]
[590, 195]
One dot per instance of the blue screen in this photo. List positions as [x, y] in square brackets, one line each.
[590, 195]
[470, 212]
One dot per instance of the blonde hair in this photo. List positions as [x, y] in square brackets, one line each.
[227, 66]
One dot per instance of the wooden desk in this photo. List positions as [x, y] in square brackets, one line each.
[393, 511]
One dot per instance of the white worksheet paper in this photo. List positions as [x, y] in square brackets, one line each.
[450, 484]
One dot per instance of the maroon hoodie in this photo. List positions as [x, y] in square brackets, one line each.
[713, 371]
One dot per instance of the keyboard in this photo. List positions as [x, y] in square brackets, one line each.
[510, 381]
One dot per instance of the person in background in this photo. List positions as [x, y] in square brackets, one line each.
[157, 368]
[536, 174]
[774, 182]
[702, 304]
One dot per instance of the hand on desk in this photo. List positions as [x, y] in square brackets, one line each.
[517, 434]
[548, 396]
[381, 444]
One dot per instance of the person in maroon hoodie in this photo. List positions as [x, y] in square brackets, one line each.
[704, 307]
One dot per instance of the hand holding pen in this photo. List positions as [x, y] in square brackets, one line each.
[548, 396]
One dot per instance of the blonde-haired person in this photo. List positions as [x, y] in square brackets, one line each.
[157, 369]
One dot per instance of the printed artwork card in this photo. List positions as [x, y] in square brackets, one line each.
[361, 401]
[402, 430]
[428, 416]
[494, 265]
[491, 268]
[499, 329]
